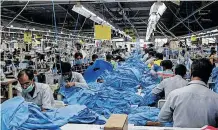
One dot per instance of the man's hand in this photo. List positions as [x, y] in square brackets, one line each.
[70, 84]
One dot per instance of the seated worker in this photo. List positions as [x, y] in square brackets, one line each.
[195, 105]
[213, 58]
[150, 58]
[72, 78]
[166, 72]
[159, 59]
[79, 66]
[170, 84]
[109, 59]
[94, 57]
[38, 93]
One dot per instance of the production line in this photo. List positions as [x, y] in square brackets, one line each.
[112, 78]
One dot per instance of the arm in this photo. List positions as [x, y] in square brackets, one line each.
[81, 81]
[166, 113]
[159, 88]
[47, 99]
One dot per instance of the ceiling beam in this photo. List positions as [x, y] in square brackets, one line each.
[196, 11]
[134, 18]
[132, 9]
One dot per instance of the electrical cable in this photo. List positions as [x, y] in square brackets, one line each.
[193, 13]
[76, 23]
[162, 31]
[180, 20]
[64, 21]
[18, 14]
[56, 35]
[165, 28]
[168, 31]
[199, 23]
[81, 26]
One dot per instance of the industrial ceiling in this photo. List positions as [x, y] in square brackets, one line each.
[184, 17]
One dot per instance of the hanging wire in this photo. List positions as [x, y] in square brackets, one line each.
[64, 21]
[76, 23]
[180, 20]
[56, 32]
[18, 14]
[81, 27]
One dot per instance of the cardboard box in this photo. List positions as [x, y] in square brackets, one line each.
[117, 122]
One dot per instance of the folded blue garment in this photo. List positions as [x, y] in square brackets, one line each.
[20, 115]
[118, 92]
[93, 72]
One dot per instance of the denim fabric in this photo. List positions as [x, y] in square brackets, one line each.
[20, 115]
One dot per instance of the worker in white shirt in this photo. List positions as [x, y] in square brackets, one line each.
[72, 79]
[172, 83]
[195, 105]
[38, 93]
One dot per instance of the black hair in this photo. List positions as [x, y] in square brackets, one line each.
[159, 56]
[109, 57]
[151, 53]
[65, 67]
[167, 64]
[94, 57]
[180, 70]
[212, 52]
[27, 57]
[78, 54]
[201, 68]
[28, 72]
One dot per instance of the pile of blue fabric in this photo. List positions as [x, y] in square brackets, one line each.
[215, 78]
[16, 114]
[117, 94]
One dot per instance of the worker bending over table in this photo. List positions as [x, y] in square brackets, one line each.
[38, 93]
[71, 78]
[195, 105]
[170, 84]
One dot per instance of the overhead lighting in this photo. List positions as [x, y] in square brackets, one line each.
[156, 11]
[80, 9]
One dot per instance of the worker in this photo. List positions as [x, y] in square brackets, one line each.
[94, 58]
[79, 66]
[150, 58]
[159, 58]
[170, 84]
[166, 72]
[213, 58]
[109, 58]
[71, 78]
[195, 105]
[145, 55]
[38, 93]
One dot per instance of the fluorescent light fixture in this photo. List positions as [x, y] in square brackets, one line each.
[80, 9]
[156, 11]
[87, 10]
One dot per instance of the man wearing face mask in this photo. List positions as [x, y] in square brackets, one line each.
[38, 93]
[79, 65]
[71, 78]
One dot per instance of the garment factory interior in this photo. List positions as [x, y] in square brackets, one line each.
[109, 65]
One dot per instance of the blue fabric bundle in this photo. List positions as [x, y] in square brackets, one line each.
[118, 92]
[20, 115]
[215, 78]
[93, 72]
